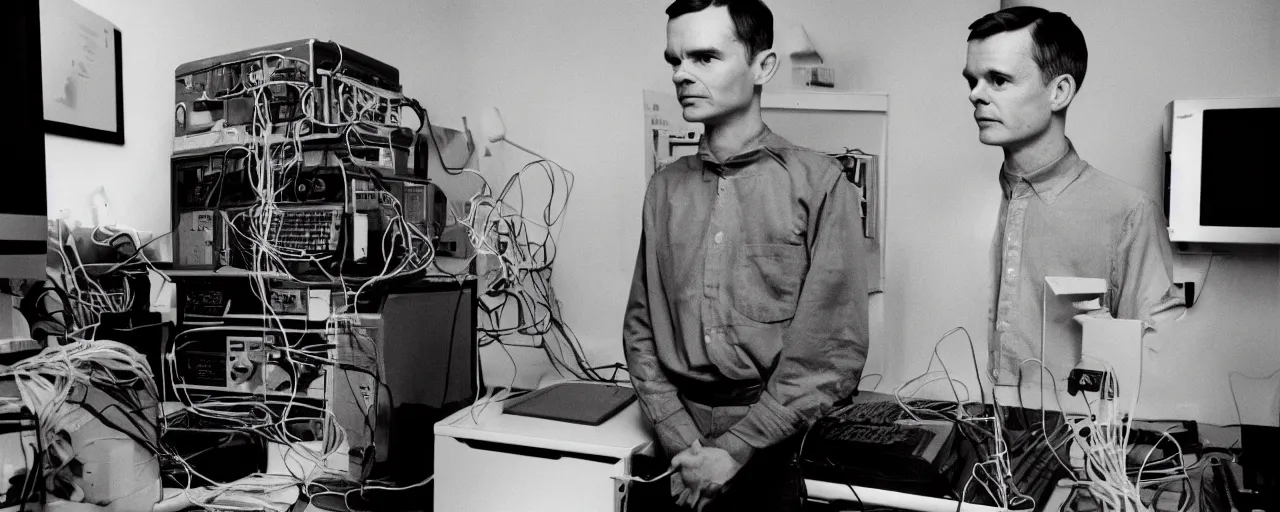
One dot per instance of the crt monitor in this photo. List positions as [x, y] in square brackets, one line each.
[1222, 170]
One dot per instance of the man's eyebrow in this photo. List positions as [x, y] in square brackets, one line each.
[705, 52]
[989, 73]
[999, 73]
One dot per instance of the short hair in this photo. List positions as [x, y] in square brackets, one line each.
[752, 20]
[1058, 46]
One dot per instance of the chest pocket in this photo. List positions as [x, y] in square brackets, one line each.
[766, 281]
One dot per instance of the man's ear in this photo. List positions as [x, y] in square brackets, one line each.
[1063, 90]
[765, 65]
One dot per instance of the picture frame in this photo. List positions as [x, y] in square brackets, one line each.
[82, 73]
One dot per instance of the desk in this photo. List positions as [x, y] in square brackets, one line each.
[831, 492]
[502, 462]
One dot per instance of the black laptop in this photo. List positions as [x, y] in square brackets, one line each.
[585, 403]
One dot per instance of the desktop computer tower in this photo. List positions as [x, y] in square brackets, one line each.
[420, 340]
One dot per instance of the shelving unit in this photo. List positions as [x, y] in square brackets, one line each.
[832, 121]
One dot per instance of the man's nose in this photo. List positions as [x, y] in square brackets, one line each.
[680, 76]
[978, 94]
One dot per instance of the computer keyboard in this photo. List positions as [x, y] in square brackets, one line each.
[870, 413]
[878, 436]
[307, 229]
[870, 443]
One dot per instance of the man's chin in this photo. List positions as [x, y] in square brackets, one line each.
[698, 114]
[693, 116]
[992, 139]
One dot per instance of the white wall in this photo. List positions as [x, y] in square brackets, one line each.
[574, 94]
[418, 37]
[1143, 54]
[567, 75]
[942, 190]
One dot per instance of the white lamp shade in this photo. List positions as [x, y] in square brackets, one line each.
[796, 43]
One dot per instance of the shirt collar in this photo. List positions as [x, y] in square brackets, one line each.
[765, 143]
[1050, 181]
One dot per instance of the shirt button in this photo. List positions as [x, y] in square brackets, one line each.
[719, 237]
[706, 339]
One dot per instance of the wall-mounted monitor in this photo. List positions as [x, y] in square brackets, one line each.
[1222, 177]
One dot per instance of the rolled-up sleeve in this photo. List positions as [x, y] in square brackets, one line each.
[1145, 267]
[647, 312]
[825, 346]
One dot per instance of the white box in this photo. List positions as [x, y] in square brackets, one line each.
[1116, 345]
[502, 462]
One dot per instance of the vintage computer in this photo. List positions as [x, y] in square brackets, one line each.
[1220, 170]
[402, 359]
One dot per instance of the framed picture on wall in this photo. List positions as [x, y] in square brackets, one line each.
[81, 72]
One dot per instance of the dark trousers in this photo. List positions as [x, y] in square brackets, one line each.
[770, 481]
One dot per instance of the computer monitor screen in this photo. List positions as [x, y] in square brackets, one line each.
[1239, 168]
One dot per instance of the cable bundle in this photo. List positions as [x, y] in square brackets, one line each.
[520, 253]
[1104, 438]
[94, 403]
[82, 298]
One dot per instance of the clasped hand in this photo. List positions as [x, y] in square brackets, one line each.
[702, 474]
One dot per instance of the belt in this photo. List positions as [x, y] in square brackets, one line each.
[718, 394]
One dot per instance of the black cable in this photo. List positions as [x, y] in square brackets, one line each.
[355, 396]
[453, 171]
[22, 494]
[1204, 283]
[151, 445]
[137, 253]
[801, 461]
[34, 472]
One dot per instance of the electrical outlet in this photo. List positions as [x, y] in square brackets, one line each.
[1188, 292]
[1085, 380]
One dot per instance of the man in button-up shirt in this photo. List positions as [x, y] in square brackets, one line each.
[747, 317]
[1059, 216]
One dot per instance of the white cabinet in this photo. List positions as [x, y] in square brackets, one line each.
[502, 462]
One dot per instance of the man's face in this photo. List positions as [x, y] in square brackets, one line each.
[1011, 103]
[713, 75]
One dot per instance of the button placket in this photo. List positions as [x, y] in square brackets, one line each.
[712, 254]
[1011, 258]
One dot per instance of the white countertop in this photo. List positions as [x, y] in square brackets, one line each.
[624, 434]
